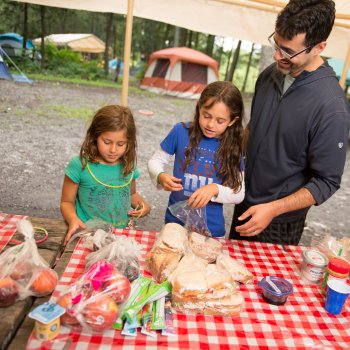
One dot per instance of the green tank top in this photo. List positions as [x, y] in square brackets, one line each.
[103, 191]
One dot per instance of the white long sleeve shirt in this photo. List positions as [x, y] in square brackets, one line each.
[160, 159]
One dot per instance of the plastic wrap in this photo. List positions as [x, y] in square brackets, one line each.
[93, 300]
[92, 226]
[23, 272]
[124, 253]
[333, 247]
[193, 219]
[205, 247]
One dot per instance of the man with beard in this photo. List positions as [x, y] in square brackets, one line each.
[298, 132]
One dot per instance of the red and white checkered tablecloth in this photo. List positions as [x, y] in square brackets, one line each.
[300, 323]
[8, 227]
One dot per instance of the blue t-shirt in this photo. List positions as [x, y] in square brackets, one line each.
[95, 200]
[200, 172]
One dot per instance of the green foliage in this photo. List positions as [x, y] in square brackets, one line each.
[147, 37]
[67, 63]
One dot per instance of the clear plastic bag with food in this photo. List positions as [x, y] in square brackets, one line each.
[23, 271]
[124, 253]
[94, 226]
[332, 247]
[193, 219]
[93, 300]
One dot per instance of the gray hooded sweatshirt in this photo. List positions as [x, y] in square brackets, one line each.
[298, 139]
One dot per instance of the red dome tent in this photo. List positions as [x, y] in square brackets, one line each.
[179, 71]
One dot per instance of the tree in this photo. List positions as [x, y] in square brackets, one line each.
[266, 57]
[210, 45]
[248, 68]
[25, 29]
[109, 28]
[231, 72]
[42, 17]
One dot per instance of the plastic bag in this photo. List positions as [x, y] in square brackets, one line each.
[193, 219]
[92, 301]
[102, 238]
[92, 226]
[332, 247]
[23, 272]
[124, 253]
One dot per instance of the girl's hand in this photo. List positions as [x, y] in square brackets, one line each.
[74, 225]
[141, 210]
[202, 196]
[169, 182]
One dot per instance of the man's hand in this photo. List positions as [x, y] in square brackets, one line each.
[202, 196]
[169, 182]
[260, 217]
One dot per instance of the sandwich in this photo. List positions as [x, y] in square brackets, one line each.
[205, 247]
[238, 272]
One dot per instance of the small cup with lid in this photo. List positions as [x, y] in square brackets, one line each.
[275, 290]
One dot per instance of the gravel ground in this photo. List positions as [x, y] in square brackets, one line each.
[42, 127]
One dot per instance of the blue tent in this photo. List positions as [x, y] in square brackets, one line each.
[12, 44]
[4, 72]
[338, 64]
[113, 65]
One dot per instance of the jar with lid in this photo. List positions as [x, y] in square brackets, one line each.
[313, 266]
[337, 269]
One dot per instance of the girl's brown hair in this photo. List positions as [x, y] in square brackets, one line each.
[111, 118]
[229, 154]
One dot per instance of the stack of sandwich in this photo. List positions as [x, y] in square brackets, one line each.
[202, 275]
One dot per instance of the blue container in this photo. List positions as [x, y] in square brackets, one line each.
[337, 293]
[275, 290]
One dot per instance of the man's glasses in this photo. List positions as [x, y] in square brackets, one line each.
[285, 54]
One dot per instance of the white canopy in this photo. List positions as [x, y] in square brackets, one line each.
[251, 20]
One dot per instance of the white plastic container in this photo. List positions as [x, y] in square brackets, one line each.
[313, 266]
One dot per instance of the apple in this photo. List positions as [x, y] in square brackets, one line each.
[44, 282]
[9, 291]
[101, 313]
[117, 286]
[65, 301]
[22, 272]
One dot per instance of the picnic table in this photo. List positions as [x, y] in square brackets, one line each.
[50, 250]
[300, 323]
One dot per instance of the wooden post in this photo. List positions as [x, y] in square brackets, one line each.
[127, 51]
[344, 73]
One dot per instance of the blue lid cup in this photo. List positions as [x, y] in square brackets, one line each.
[337, 293]
[275, 290]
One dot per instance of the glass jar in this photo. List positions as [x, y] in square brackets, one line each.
[337, 269]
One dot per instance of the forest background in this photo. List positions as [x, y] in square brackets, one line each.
[238, 61]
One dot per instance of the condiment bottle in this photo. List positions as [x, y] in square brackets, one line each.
[337, 269]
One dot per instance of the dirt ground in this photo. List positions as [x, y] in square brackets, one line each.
[43, 124]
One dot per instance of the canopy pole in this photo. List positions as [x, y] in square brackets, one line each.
[345, 69]
[127, 52]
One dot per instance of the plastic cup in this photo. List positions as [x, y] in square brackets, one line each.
[337, 293]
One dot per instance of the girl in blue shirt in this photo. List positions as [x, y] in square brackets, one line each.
[208, 166]
[101, 182]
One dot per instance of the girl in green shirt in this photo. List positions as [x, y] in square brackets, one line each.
[101, 182]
